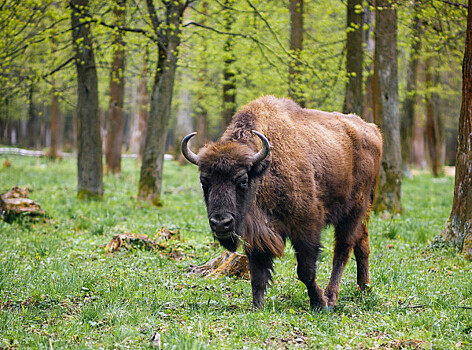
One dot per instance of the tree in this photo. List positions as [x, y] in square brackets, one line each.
[115, 125]
[295, 84]
[433, 127]
[229, 76]
[458, 229]
[354, 99]
[386, 106]
[89, 144]
[407, 122]
[168, 33]
[54, 125]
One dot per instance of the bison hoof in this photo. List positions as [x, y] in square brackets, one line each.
[327, 309]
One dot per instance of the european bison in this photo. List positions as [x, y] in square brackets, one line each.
[319, 169]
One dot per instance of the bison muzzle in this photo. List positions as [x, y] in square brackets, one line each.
[281, 171]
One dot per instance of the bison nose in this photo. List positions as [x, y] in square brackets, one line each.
[221, 223]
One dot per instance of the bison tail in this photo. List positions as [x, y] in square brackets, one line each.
[365, 221]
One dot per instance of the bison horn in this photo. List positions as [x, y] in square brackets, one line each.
[188, 154]
[264, 152]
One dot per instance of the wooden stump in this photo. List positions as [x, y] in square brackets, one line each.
[227, 264]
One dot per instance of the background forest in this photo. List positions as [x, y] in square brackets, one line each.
[231, 52]
[87, 83]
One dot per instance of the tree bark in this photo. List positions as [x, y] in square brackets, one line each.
[229, 76]
[202, 112]
[115, 125]
[55, 126]
[386, 106]
[153, 156]
[354, 99]
[433, 129]
[369, 19]
[184, 124]
[407, 121]
[140, 116]
[295, 83]
[458, 229]
[89, 144]
[33, 125]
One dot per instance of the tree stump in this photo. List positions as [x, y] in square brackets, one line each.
[227, 264]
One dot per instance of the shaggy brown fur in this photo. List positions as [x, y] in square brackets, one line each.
[321, 170]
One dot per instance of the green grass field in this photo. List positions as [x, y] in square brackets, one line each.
[60, 288]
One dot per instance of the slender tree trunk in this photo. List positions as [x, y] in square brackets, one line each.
[407, 121]
[369, 19]
[201, 109]
[386, 106]
[295, 81]
[33, 124]
[184, 125]
[229, 76]
[140, 116]
[153, 156]
[115, 125]
[55, 126]
[89, 144]
[354, 99]
[459, 225]
[433, 129]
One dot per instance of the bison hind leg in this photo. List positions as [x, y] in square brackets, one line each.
[362, 252]
[350, 233]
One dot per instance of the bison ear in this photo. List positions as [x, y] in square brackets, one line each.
[257, 170]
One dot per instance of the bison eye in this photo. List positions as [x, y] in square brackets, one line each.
[242, 181]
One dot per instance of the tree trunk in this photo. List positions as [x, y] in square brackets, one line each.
[386, 106]
[138, 130]
[89, 144]
[295, 83]
[202, 113]
[354, 99]
[115, 125]
[184, 125]
[369, 19]
[33, 124]
[161, 99]
[407, 121]
[55, 126]
[229, 76]
[433, 129]
[458, 228]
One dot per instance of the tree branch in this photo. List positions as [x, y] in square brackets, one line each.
[455, 4]
[153, 15]
[58, 68]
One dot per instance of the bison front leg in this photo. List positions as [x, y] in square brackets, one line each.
[307, 257]
[260, 266]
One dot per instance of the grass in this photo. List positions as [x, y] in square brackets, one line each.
[59, 288]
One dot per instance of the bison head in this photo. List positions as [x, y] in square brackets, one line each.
[230, 172]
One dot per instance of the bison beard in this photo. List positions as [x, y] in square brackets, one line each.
[320, 169]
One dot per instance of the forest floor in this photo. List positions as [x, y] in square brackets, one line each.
[60, 287]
